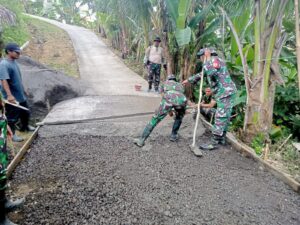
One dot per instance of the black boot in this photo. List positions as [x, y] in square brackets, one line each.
[11, 205]
[3, 219]
[176, 126]
[141, 141]
[223, 139]
[216, 140]
[150, 86]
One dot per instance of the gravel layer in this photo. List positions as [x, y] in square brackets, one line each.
[88, 179]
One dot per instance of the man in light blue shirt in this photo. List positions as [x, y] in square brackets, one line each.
[13, 90]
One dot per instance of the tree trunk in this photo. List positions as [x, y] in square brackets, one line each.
[165, 39]
[168, 57]
[261, 96]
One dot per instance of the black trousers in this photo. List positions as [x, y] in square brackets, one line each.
[14, 115]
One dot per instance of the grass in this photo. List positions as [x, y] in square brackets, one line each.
[18, 34]
[49, 44]
[288, 157]
[43, 27]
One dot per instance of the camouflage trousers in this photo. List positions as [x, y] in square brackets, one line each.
[154, 75]
[223, 114]
[164, 109]
[3, 153]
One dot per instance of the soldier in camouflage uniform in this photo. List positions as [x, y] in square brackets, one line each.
[154, 58]
[173, 99]
[224, 91]
[208, 105]
[5, 204]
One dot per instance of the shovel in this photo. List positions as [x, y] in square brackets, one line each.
[193, 146]
[16, 105]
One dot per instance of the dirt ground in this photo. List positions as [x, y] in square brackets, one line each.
[51, 46]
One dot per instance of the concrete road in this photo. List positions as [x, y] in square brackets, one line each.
[99, 66]
[106, 76]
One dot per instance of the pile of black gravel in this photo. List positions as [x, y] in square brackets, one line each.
[47, 87]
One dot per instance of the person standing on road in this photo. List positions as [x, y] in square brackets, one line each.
[154, 58]
[224, 91]
[173, 98]
[13, 90]
[5, 204]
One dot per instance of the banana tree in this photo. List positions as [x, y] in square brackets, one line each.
[260, 84]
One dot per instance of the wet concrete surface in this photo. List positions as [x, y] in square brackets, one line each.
[92, 173]
[97, 107]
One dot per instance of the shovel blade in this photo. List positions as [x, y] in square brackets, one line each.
[197, 152]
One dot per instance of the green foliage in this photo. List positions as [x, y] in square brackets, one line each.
[183, 9]
[290, 153]
[287, 108]
[258, 143]
[291, 158]
[238, 111]
[13, 5]
[18, 33]
[183, 36]
[295, 121]
[276, 132]
[34, 7]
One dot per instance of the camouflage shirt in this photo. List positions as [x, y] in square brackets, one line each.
[3, 151]
[207, 99]
[218, 78]
[173, 93]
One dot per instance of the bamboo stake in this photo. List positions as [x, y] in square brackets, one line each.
[286, 140]
[266, 153]
[297, 40]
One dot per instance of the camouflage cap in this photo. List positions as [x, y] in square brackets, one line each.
[213, 52]
[202, 52]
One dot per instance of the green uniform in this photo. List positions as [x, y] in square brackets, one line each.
[224, 91]
[154, 75]
[3, 151]
[173, 99]
[207, 112]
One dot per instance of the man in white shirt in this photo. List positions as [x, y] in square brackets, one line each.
[154, 58]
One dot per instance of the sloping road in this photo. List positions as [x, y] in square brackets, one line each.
[91, 173]
[98, 66]
[106, 76]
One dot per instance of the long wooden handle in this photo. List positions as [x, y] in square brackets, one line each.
[198, 112]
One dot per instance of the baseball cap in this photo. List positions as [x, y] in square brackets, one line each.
[157, 39]
[12, 47]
